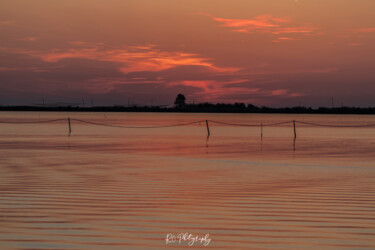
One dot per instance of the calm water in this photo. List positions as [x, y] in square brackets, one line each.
[112, 188]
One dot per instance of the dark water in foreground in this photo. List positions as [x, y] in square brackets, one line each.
[111, 188]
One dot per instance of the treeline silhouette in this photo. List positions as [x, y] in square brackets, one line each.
[200, 108]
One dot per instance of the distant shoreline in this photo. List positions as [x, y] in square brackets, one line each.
[200, 108]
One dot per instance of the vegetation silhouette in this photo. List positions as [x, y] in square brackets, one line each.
[182, 107]
[180, 101]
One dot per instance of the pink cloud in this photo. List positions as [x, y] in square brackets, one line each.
[8, 69]
[293, 72]
[6, 23]
[285, 93]
[354, 44]
[264, 24]
[286, 38]
[30, 69]
[79, 43]
[130, 58]
[29, 39]
[105, 85]
[356, 34]
[291, 30]
[296, 94]
[364, 30]
[216, 84]
[279, 39]
[258, 23]
[216, 90]
[279, 92]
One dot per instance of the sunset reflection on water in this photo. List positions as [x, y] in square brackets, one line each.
[112, 188]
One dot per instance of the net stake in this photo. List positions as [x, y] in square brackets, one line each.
[70, 127]
[208, 129]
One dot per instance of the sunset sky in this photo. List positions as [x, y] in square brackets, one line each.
[264, 52]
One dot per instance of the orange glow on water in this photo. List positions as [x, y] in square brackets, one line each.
[129, 188]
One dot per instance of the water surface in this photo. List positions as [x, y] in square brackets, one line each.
[113, 188]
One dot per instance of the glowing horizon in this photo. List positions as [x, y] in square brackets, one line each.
[276, 53]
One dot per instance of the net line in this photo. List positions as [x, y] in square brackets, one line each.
[336, 126]
[191, 123]
[120, 126]
[251, 125]
[33, 122]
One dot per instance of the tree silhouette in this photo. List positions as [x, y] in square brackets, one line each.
[180, 101]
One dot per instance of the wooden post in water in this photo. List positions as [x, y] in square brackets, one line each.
[70, 127]
[261, 130]
[294, 126]
[208, 129]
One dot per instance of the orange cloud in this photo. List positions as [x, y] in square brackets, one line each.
[364, 30]
[260, 22]
[279, 92]
[204, 85]
[6, 23]
[354, 44]
[279, 39]
[8, 69]
[106, 85]
[284, 92]
[216, 90]
[356, 34]
[286, 38]
[296, 94]
[264, 24]
[29, 39]
[293, 72]
[291, 30]
[132, 59]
